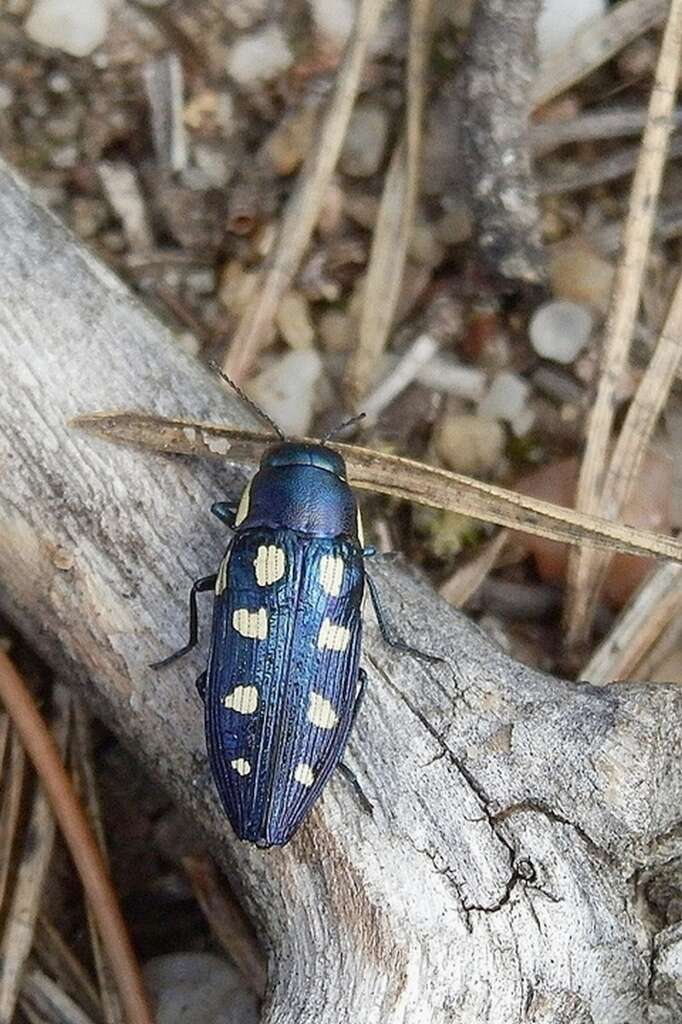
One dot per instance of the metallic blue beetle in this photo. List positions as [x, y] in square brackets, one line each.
[284, 682]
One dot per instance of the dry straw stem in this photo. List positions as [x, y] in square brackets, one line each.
[657, 603]
[625, 299]
[38, 843]
[226, 920]
[45, 755]
[633, 441]
[50, 1004]
[384, 278]
[303, 208]
[61, 963]
[576, 177]
[465, 582]
[12, 786]
[595, 43]
[392, 475]
[86, 787]
[602, 124]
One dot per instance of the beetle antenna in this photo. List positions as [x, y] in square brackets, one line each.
[343, 426]
[249, 401]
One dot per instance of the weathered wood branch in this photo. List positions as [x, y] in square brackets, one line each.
[525, 830]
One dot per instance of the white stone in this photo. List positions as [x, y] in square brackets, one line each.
[76, 28]
[286, 389]
[6, 96]
[559, 330]
[365, 142]
[559, 21]
[506, 397]
[259, 57]
[193, 988]
[333, 19]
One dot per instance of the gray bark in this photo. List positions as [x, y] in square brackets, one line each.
[526, 831]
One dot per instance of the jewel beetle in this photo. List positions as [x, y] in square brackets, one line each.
[284, 683]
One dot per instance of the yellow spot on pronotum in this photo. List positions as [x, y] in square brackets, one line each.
[243, 699]
[321, 712]
[251, 624]
[304, 774]
[269, 564]
[333, 638]
[221, 581]
[331, 574]
[241, 766]
[244, 502]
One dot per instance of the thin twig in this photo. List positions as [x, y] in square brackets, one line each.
[45, 996]
[42, 750]
[227, 921]
[384, 278]
[574, 177]
[591, 126]
[304, 206]
[86, 787]
[465, 582]
[406, 370]
[595, 43]
[13, 784]
[37, 849]
[61, 963]
[625, 299]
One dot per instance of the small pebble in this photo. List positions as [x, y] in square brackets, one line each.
[559, 330]
[64, 157]
[293, 321]
[198, 988]
[75, 28]
[506, 398]
[201, 282]
[286, 389]
[88, 215]
[291, 140]
[237, 287]
[469, 444]
[336, 331]
[259, 57]
[559, 21]
[333, 20]
[6, 96]
[365, 142]
[580, 274]
[215, 164]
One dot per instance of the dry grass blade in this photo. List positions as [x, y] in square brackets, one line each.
[86, 787]
[465, 582]
[300, 216]
[44, 996]
[61, 963]
[384, 277]
[633, 441]
[45, 755]
[4, 739]
[625, 300]
[13, 783]
[602, 124]
[24, 905]
[227, 921]
[595, 43]
[577, 177]
[395, 476]
[657, 603]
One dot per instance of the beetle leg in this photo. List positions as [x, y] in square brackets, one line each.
[201, 684]
[225, 511]
[198, 587]
[389, 637]
[350, 777]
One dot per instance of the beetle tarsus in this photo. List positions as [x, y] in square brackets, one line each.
[225, 511]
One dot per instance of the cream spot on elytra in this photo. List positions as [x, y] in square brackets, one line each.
[333, 638]
[331, 574]
[304, 774]
[243, 699]
[241, 766]
[253, 625]
[269, 564]
[321, 712]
